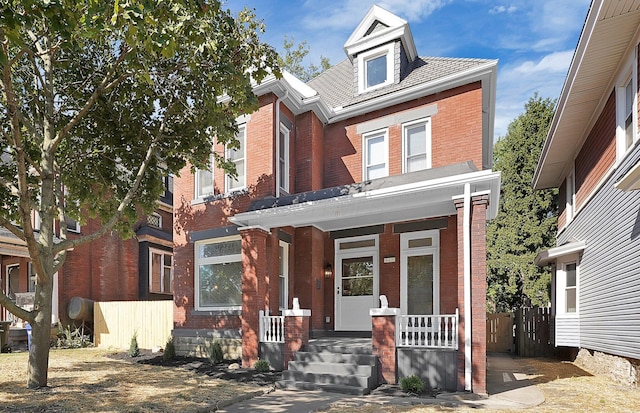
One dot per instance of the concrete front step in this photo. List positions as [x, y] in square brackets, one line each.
[334, 388]
[343, 365]
[326, 357]
[332, 368]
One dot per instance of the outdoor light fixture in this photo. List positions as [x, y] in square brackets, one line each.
[328, 271]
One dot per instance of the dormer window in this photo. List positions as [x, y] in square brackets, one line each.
[375, 68]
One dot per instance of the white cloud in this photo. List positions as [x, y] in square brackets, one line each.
[554, 62]
[503, 9]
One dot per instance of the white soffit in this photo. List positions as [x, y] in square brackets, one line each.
[606, 36]
[547, 256]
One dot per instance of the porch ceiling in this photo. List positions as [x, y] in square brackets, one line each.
[405, 202]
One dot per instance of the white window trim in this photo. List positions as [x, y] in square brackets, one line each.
[284, 155]
[570, 197]
[561, 286]
[427, 128]
[364, 57]
[214, 260]
[163, 253]
[406, 252]
[197, 190]
[365, 152]
[242, 129]
[285, 273]
[629, 72]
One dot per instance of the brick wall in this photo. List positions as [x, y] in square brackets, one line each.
[456, 135]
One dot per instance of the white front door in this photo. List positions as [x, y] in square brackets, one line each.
[356, 287]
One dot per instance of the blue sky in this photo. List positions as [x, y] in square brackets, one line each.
[533, 40]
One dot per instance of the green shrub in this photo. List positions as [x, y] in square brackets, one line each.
[215, 353]
[262, 366]
[412, 384]
[134, 350]
[169, 350]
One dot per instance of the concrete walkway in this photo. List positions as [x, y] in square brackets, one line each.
[507, 385]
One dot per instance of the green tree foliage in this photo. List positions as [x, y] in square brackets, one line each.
[101, 99]
[527, 220]
[293, 60]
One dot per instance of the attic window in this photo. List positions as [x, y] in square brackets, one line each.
[375, 68]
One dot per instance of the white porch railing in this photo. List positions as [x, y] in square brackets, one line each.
[427, 331]
[271, 328]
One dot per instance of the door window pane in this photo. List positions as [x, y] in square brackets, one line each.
[420, 284]
[357, 276]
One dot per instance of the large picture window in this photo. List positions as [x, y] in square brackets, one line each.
[219, 274]
[160, 272]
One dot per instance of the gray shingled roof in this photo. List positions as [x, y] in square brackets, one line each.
[336, 85]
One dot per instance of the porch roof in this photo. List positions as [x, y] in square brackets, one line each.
[12, 245]
[406, 197]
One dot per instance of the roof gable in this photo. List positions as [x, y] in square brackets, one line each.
[378, 27]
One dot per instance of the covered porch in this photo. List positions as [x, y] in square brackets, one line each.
[416, 240]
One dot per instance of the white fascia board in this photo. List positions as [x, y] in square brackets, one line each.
[306, 213]
[561, 105]
[546, 256]
[478, 73]
[383, 37]
[374, 13]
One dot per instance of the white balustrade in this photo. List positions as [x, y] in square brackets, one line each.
[271, 328]
[427, 331]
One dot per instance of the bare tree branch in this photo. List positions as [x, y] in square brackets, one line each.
[7, 303]
[14, 229]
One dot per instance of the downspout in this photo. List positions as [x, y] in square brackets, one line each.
[466, 237]
[277, 136]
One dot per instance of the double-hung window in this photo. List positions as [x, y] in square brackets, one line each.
[375, 68]
[376, 158]
[218, 267]
[416, 147]
[570, 204]
[571, 288]
[204, 181]
[626, 118]
[283, 275]
[160, 271]
[238, 158]
[283, 158]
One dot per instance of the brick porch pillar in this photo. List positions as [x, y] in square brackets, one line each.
[254, 290]
[296, 333]
[477, 318]
[383, 341]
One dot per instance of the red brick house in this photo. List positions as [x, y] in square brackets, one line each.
[371, 181]
[107, 269]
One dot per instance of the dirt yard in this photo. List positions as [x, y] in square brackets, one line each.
[98, 380]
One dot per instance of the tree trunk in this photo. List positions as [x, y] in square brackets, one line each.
[37, 372]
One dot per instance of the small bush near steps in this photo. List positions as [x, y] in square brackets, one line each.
[412, 384]
[169, 350]
[262, 366]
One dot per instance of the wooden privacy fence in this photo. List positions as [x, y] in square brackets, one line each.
[533, 327]
[115, 322]
[500, 333]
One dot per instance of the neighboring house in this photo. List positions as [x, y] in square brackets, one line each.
[592, 155]
[372, 179]
[107, 269]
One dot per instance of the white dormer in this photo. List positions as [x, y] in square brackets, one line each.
[375, 49]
